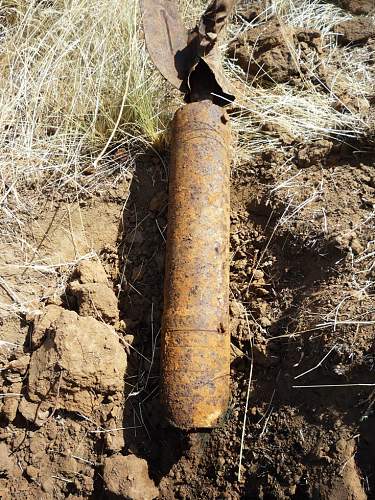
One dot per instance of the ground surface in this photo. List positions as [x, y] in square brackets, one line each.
[302, 298]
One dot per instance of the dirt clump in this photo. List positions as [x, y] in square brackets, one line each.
[6, 465]
[92, 294]
[42, 322]
[256, 10]
[349, 485]
[35, 413]
[90, 271]
[359, 6]
[269, 51]
[79, 363]
[128, 477]
[356, 31]
[314, 153]
[96, 300]
[13, 373]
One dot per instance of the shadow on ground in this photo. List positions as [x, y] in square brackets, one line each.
[141, 251]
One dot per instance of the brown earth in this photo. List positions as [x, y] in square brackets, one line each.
[80, 414]
[359, 6]
[269, 51]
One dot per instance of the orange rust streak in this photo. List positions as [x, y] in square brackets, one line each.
[195, 331]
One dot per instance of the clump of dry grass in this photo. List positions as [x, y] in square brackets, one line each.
[75, 81]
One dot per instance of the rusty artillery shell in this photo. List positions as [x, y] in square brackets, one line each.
[195, 350]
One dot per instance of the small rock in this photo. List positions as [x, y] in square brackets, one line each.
[90, 271]
[356, 246]
[6, 465]
[20, 364]
[68, 466]
[47, 485]
[129, 339]
[12, 378]
[264, 321]
[10, 404]
[258, 274]
[96, 300]
[55, 300]
[292, 490]
[235, 352]
[239, 264]
[128, 477]
[258, 282]
[32, 472]
[114, 440]
[37, 413]
[235, 239]
[359, 6]
[237, 309]
[84, 483]
[314, 153]
[41, 324]
[355, 31]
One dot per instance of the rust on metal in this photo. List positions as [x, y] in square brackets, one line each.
[195, 331]
[188, 60]
[195, 347]
[212, 22]
[166, 39]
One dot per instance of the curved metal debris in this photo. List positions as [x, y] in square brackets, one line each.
[166, 37]
[212, 22]
[189, 61]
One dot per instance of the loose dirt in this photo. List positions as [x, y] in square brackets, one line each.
[80, 414]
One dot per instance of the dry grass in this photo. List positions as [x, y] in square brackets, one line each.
[75, 83]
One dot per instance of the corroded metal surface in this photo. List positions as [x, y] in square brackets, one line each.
[195, 331]
[166, 39]
[189, 61]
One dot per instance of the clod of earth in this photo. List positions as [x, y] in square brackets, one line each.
[269, 51]
[356, 31]
[89, 271]
[313, 153]
[127, 477]
[359, 6]
[10, 404]
[35, 413]
[42, 322]
[96, 300]
[6, 465]
[349, 485]
[79, 362]
[93, 296]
